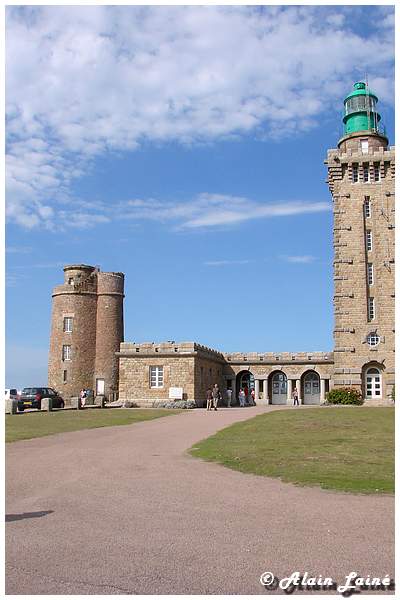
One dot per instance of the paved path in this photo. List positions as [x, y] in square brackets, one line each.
[125, 510]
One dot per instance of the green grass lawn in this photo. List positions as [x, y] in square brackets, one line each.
[347, 449]
[24, 426]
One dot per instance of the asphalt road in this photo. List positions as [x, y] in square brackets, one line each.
[125, 510]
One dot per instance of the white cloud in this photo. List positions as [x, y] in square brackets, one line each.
[303, 259]
[85, 80]
[18, 249]
[225, 263]
[212, 210]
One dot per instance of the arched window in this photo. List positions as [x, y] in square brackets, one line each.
[279, 388]
[373, 383]
[311, 388]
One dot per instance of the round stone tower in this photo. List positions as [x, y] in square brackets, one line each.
[86, 331]
[73, 331]
[109, 331]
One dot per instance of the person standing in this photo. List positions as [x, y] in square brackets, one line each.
[229, 396]
[82, 396]
[253, 397]
[242, 397]
[295, 396]
[215, 395]
[209, 398]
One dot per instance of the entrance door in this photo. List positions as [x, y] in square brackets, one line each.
[99, 387]
[279, 388]
[245, 380]
[312, 392]
[373, 384]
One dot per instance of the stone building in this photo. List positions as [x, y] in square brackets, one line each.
[361, 180]
[86, 331]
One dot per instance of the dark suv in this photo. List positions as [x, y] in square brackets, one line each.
[32, 398]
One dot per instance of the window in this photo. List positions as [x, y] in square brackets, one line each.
[373, 339]
[355, 172]
[371, 309]
[68, 324]
[367, 207]
[369, 239]
[65, 376]
[66, 352]
[344, 170]
[156, 377]
[370, 273]
[366, 172]
[70, 281]
[377, 172]
[364, 146]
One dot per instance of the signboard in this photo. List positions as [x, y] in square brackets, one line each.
[175, 393]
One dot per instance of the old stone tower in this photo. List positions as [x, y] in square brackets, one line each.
[86, 331]
[361, 180]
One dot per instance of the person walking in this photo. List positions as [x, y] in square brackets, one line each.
[242, 397]
[295, 396]
[215, 395]
[209, 398]
[229, 396]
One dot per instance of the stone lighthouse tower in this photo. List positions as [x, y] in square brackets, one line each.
[86, 331]
[361, 180]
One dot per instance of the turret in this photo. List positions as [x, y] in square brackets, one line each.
[361, 121]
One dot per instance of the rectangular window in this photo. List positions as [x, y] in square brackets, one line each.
[367, 207]
[370, 273]
[156, 377]
[366, 172]
[66, 352]
[386, 167]
[65, 376]
[377, 171]
[369, 239]
[364, 146]
[68, 324]
[355, 173]
[371, 309]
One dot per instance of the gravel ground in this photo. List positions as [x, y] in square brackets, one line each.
[125, 510]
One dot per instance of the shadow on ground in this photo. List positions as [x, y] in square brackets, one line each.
[30, 515]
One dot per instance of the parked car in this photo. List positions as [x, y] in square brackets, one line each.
[11, 394]
[32, 398]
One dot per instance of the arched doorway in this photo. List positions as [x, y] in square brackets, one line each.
[373, 383]
[312, 388]
[278, 388]
[244, 380]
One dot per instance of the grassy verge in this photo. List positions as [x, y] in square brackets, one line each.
[348, 449]
[25, 426]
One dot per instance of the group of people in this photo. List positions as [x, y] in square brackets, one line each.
[214, 395]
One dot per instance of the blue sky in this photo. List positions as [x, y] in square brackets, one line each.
[183, 146]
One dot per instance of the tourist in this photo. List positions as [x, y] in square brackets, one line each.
[216, 395]
[295, 396]
[229, 396]
[246, 392]
[253, 397]
[82, 396]
[242, 397]
[209, 398]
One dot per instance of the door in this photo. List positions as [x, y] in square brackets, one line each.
[99, 387]
[373, 384]
[312, 391]
[279, 388]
